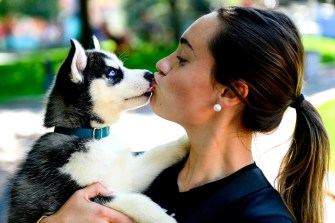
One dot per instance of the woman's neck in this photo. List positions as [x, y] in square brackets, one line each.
[213, 157]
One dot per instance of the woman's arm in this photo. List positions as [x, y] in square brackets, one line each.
[79, 208]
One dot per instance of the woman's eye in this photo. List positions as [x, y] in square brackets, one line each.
[181, 60]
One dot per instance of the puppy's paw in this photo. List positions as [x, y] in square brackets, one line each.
[140, 208]
[184, 143]
[177, 149]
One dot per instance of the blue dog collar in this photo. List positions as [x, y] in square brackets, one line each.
[92, 133]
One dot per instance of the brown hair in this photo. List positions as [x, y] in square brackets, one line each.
[263, 48]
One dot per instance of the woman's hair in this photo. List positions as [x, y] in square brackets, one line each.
[263, 48]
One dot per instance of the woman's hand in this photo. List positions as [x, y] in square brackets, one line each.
[79, 208]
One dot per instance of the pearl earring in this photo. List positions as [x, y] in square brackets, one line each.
[217, 107]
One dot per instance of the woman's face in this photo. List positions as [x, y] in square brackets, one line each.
[185, 92]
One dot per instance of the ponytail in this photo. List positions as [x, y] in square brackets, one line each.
[303, 169]
[264, 49]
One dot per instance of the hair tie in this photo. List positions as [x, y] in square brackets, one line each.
[297, 102]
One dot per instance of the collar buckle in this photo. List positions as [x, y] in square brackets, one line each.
[95, 134]
[99, 133]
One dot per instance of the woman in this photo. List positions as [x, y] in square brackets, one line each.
[234, 73]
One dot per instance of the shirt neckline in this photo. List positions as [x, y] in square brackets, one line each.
[213, 184]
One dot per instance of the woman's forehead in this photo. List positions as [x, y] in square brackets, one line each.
[199, 32]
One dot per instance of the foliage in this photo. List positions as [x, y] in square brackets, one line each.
[38, 8]
[327, 113]
[325, 46]
[163, 20]
[146, 56]
[29, 76]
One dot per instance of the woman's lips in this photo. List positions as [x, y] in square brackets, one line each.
[152, 86]
[157, 77]
[155, 82]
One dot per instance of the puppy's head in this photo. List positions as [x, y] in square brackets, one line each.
[93, 87]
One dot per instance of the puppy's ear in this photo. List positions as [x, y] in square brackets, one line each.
[95, 43]
[78, 63]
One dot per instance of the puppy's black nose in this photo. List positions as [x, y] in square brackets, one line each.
[149, 76]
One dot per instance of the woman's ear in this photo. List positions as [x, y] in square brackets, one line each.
[242, 88]
[232, 96]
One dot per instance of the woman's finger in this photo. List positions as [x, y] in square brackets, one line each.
[94, 190]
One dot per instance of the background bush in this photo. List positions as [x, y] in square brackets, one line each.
[28, 75]
[327, 113]
[325, 46]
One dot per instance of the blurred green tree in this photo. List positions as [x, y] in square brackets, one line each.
[39, 8]
[159, 19]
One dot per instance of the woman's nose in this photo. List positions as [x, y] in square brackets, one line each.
[163, 66]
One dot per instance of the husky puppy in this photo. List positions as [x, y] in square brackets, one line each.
[90, 91]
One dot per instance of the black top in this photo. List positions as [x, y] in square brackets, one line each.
[261, 206]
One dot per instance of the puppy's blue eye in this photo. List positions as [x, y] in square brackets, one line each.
[112, 73]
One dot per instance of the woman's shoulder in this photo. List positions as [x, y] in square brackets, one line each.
[265, 205]
[262, 203]
[245, 196]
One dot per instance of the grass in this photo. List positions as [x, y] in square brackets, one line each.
[327, 111]
[325, 46]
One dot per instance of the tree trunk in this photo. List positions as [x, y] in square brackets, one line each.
[174, 19]
[86, 32]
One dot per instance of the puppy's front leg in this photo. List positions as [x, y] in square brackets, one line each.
[146, 167]
[140, 208]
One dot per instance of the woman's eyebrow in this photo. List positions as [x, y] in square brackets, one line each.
[186, 42]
